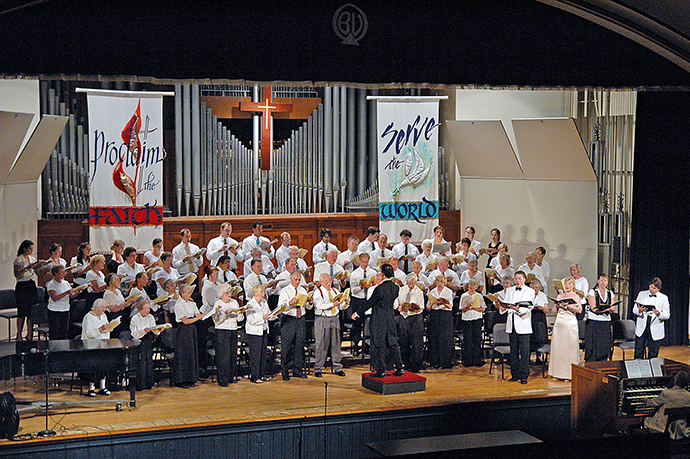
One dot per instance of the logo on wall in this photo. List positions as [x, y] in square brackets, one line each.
[350, 24]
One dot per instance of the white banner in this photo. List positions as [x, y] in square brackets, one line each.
[126, 168]
[408, 166]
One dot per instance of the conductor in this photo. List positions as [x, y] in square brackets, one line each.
[384, 335]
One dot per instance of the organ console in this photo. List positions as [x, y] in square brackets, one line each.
[610, 397]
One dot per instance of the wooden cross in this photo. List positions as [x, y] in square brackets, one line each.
[266, 108]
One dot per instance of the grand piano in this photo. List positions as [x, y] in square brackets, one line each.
[29, 358]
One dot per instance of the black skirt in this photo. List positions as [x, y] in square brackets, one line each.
[25, 295]
[186, 362]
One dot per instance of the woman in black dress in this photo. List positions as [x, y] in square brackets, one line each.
[25, 292]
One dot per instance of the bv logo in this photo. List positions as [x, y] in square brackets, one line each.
[350, 24]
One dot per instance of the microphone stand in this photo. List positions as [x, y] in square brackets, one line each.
[47, 432]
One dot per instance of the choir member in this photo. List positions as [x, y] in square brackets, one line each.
[253, 279]
[327, 326]
[187, 256]
[504, 270]
[209, 289]
[565, 338]
[283, 252]
[581, 283]
[652, 310]
[130, 268]
[398, 274]
[465, 251]
[224, 245]
[167, 272]
[141, 280]
[532, 268]
[472, 319]
[170, 289]
[225, 274]
[116, 258]
[319, 251]
[492, 249]
[405, 251]
[185, 371]
[410, 305]
[426, 254]
[329, 266]
[421, 278]
[255, 240]
[439, 232]
[225, 338]
[472, 273]
[541, 308]
[443, 270]
[93, 327]
[518, 306]
[95, 278]
[598, 336]
[140, 326]
[368, 245]
[59, 294]
[441, 345]
[80, 263]
[25, 291]
[358, 291]
[284, 277]
[267, 267]
[293, 329]
[256, 329]
[540, 253]
[54, 259]
[115, 301]
[301, 264]
[474, 245]
[381, 250]
[345, 258]
[153, 256]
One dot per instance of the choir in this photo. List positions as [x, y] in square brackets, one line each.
[262, 298]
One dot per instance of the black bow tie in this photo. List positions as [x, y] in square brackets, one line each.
[518, 288]
[652, 296]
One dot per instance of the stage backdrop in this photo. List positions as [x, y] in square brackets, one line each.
[407, 131]
[126, 167]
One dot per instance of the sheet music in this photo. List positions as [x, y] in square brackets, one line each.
[645, 368]
[656, 366]
[632, 369]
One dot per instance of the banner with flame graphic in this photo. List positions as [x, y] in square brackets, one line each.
[407, 132]
[125, 167]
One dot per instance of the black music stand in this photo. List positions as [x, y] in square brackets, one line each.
[47, 432]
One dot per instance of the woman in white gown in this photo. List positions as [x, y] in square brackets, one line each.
[565, 340]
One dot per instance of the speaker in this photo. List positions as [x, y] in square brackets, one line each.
[9, 416]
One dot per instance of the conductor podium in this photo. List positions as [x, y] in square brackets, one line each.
[408, 382]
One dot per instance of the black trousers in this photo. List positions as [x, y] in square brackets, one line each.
[646, 342]
[519, 355]
[597, 340]
[257, 354]
[225, 344]
[58, 324]
[379, 353]
[292, 335]
[186, 361]
[441, 345]
[145, 369]
[357, 325]
[472, 343]
[412, 341]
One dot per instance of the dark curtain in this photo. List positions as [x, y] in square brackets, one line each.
[661, 205]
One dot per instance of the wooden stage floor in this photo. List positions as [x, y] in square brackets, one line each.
[164, 407]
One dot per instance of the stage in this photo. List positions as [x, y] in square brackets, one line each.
[455, 400]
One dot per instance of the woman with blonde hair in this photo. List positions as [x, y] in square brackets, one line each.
[565, 339]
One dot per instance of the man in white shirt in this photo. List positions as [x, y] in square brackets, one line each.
[345, 258]
[225, 275]
[452, 280]
[327, 326]
[292, 329]
[518, 305]
[531, 267]
[253, 279]
[318, 253]
[368, 245]
[284, 277]
[294, 255]
[381, 250]
[405, 251]
[255, 240]
[283, 252]
[426, 254]
[186, 256]
[268, 268]
[652, 310]
[358, 292]
[329, 266]
[224, 245]
[398, 273]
